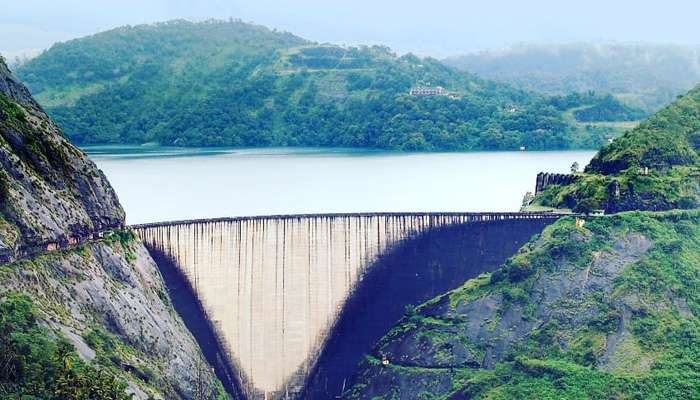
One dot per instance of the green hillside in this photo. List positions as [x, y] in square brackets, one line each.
[645, 76]
[228, 83]
[603, 307]
[609, 310]
[652, 167]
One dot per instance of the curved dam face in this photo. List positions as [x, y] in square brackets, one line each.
[294, 301]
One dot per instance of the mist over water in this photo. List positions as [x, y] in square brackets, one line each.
[166, 184]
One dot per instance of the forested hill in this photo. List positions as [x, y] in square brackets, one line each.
[646, 76]
[653, 167]
[228, 83]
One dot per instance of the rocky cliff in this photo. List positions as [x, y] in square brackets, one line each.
[101, 294]
[49, 191]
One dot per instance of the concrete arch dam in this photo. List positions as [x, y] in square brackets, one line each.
[286, 306]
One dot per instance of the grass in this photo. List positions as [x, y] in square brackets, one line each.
[68, 95]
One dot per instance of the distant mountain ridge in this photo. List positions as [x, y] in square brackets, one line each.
[229, 83]
[646, 76]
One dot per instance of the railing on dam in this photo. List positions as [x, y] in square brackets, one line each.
[431, 216]
[274, 285]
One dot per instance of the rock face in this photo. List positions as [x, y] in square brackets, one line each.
[49, 191]
[113, 290]
[571, 303]
[105, 296]
[545, 179]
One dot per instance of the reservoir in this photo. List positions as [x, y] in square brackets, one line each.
[165, 184]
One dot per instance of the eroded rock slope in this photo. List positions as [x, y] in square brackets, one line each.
[49, 190]
[105, 297]
[609, 309]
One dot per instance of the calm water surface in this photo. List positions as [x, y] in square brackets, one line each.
[164, 184]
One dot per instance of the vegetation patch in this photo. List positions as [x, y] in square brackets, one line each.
[617, 331]
[11, 113]
[39, 364]
[112, 353]
[124, 239]
[653, 167]
[281, 91]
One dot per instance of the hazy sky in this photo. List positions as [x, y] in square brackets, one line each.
[434, 27]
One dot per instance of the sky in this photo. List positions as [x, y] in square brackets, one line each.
[429, 27]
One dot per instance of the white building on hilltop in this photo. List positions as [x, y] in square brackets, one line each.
[428, 91]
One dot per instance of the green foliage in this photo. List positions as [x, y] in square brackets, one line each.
[637, 341]
[591, 107]
[666, 139]
[10, 112]
[36, 365]
[34, 148]
[562, 241]
[470, 290]
[609, 109]
[124, 237]
[233, 84]
[654, 167]
[113, 354]
[549, 379]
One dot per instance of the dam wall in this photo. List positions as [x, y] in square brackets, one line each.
[283, 293]
[413, 272]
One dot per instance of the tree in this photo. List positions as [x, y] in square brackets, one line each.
[574, 167]
[35, 364]
[585, 206]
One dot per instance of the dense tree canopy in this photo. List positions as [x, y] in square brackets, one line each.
[37, 366]
[227, 83]
[592, 107]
